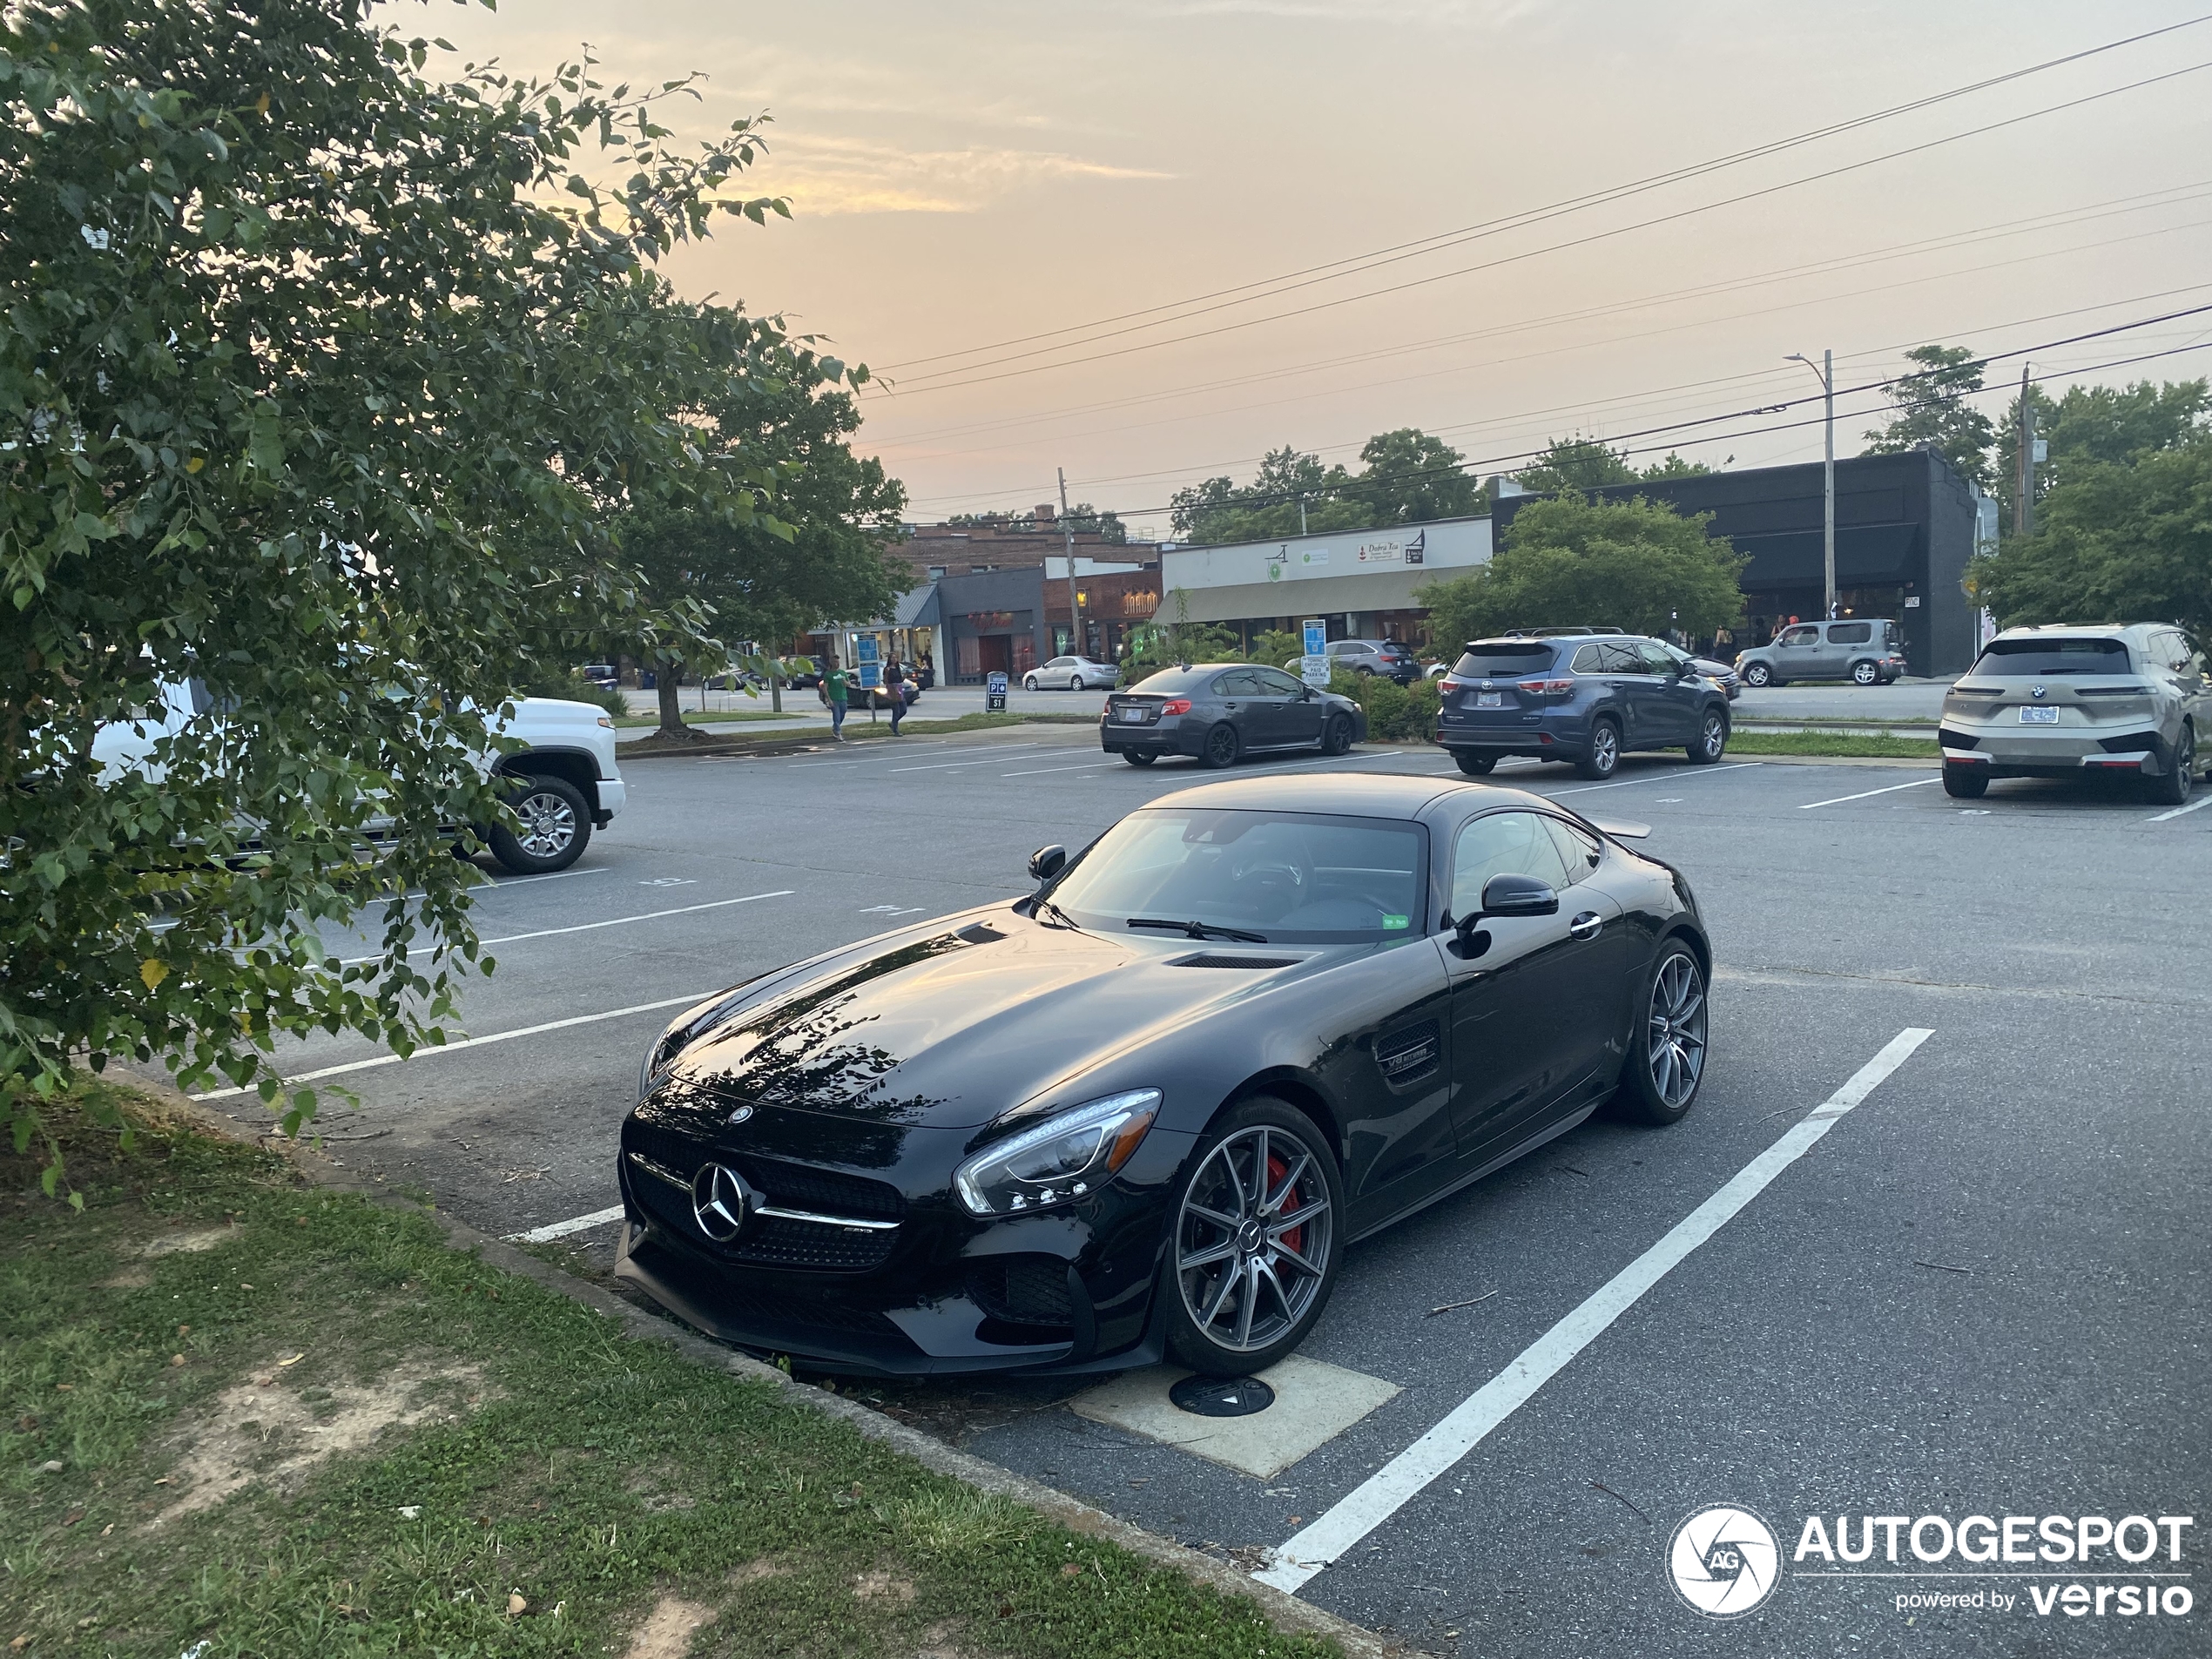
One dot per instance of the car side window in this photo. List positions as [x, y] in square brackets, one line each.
[1502, 844]
[1851, 633]
[1230, 685]
[1653, 657]
[1272, 682]
[1799, 636]
[1619, 659]
[1587, 660]
[1578, 849]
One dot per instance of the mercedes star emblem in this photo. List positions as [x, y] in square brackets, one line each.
[740, 1115]
[718, 1202]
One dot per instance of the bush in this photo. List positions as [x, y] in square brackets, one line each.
[1395, 713]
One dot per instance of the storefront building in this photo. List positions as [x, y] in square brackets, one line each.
[1364, 585]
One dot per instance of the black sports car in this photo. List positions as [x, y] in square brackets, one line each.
[1144, 1110]
[1217, 711]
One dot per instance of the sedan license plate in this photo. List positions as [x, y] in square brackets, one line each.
[1136, 716]
[2039, 716]
[1489, 699]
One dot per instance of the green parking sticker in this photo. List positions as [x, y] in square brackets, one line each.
[1395, 922]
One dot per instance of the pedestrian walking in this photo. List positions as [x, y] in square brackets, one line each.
[833, 693]
[894, 681]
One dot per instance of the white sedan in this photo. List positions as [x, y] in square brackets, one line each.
[1070, 674]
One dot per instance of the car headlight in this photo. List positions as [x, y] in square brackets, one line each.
[1061, 1159]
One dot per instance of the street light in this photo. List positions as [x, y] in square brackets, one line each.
[1827, 373]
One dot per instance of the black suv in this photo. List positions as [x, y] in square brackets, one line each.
[1588, 698]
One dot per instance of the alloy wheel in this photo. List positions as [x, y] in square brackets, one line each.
[1676, 1052]
[1253, 1237]
[1865, 673]
[1605, 748]
[1715, 737]
[548, 824]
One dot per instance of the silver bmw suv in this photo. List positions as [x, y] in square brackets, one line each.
[2059, 701]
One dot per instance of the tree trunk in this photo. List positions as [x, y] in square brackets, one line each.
[672, 712]
[775, 685]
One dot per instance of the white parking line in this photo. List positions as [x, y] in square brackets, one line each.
[1864, 794]
[552, 1230]
[876, 760]
[1088, 766]
[2161, 817]
[1387, 1490]
[948, 765]
[612, 922]
[428, 1049]
[1671, 776]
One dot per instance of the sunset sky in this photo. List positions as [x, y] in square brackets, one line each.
[965, 177]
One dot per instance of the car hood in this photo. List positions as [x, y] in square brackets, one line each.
[951, 1025]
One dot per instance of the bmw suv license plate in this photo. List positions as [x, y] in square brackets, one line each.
[1497, 700]
[2039, 716]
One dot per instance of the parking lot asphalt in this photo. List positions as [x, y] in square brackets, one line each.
[1981, 1293]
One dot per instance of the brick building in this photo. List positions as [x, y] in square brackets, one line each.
[998, 542]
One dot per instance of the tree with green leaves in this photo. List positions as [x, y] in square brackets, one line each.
[1408, 477]
[320, 380]
[2111, 425]
[2115, 542]
[1933, 409]
[1571, 560]
[1577, 463]
[818, 559]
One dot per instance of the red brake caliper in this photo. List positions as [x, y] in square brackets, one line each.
[1277, 1169]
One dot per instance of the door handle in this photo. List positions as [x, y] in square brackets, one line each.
[1585, 926]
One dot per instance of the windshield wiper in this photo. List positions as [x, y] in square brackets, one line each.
[1199, 929]
[1046, 904]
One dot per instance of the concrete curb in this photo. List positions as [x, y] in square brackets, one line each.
[717, 748]
[1287, 1613]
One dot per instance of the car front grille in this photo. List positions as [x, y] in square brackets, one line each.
[664, 1163]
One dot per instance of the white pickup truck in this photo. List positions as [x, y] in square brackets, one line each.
[566, 782]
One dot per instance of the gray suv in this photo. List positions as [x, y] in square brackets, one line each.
[2058, 702]
[1866, 650]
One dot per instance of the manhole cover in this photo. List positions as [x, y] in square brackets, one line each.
[1221, 1396]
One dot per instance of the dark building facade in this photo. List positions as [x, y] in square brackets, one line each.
[1904, 532]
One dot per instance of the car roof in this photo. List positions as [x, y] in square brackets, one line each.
[2079, 630]
[1348, 794]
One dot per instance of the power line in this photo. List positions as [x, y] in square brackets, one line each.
[1397, 252]
[2056, 219]
[1582, 242]
[1477, 464]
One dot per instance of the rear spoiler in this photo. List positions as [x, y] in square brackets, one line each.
[1621, 830]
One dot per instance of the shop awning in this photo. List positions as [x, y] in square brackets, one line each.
[1300, 597]
[917, 608]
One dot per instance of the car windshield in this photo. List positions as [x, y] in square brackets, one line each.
[2010, 656]
[1290, 877]
[1504, 659]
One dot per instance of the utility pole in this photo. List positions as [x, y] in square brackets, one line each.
[1827, 373]
[1301, 514]
[2024, 473]
[1068, 540]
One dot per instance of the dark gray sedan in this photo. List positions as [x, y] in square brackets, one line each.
[1216, 712]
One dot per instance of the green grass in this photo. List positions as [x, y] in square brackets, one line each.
[1842, 744]
[551, 1458]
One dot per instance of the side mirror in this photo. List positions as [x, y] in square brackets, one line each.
[1047, 861]
[1504, 895]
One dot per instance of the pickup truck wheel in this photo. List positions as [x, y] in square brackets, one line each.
[554, 827]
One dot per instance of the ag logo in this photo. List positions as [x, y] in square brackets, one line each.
[1723, 1561]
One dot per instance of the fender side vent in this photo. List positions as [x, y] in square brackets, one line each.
[1211, 960]
[1404, 1056]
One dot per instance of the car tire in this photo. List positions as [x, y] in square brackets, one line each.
[1271, 1283]
[1139, 757]
[1364, 671]
[556, 827]
[1074, 681]
[1029, 682]
[1604, 756]
[1336, 736]
[1865, 674]
[1965, 783]
[1712, 738]
[1758, 675]
[1476, 765]
[1667, 1055]
[1221, 747]
[2174, 788]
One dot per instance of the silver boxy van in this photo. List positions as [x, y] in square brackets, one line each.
[1866, 650]
[2057, 701]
